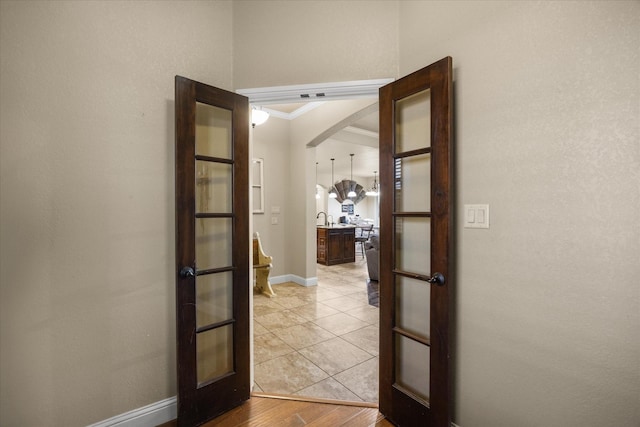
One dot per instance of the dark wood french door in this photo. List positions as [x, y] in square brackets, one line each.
[212, 250]
[415, 247]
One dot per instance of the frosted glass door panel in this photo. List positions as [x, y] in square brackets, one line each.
[413, 122]
[213, 243]
[214, 353]
[412, 366]
[413, 245]
[213, 131]
[213, 187]
[214, 298]
[413, 301]
[413, 184]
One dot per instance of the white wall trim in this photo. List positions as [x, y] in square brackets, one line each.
[309, 281]
[295, 113]
[150, 415]
[314, 92]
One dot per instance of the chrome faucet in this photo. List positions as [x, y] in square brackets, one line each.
[325, 217]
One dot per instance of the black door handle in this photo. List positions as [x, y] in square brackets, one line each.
[187, 272]
[437, 278]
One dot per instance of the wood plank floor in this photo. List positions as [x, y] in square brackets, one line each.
[267, 412]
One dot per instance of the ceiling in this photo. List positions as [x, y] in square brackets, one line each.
[359, 138]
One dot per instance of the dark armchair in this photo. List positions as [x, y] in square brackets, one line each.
[372, 253]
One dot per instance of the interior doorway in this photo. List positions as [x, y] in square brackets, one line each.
[305, 327]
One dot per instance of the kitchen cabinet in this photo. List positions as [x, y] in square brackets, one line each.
[336, 245]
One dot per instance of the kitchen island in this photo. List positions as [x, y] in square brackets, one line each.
[336, 244]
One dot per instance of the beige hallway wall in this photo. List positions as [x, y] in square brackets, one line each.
[271, 143]
[547, 116]
[87, 208]
[295, 42]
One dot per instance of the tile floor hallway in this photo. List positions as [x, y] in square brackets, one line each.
[319, 341]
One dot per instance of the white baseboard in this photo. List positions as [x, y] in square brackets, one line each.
[150, 415]
[310, 281]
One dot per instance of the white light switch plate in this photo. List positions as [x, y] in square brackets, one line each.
[476, 216]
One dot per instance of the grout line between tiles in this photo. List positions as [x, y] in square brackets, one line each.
[334, 281]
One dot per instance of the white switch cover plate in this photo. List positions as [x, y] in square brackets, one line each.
[476, 216]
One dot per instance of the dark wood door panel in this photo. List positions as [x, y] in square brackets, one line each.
[420, 399]
[212, 332]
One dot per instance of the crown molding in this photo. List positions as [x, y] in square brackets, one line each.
[314, 92]
[294, 114]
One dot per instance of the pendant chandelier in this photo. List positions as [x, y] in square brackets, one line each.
[332, 192]
[374, 190]
[351, 192]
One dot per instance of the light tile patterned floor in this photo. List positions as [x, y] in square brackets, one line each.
[319, 341]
